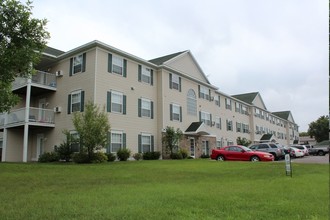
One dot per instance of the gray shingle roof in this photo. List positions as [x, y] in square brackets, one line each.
[194, 126]
[247, 97]
[163, 59]
[283, 115]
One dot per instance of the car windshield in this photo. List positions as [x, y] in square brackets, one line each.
[245, 148]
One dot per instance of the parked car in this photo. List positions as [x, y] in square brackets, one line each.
[239, 152]
[301, 147]
[319, 149]
[271, 148]
[295, 152]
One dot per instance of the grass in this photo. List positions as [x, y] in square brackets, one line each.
[165, 189]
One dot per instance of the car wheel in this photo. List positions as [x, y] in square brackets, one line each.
[220, 158]
[255, 159]
[275, 157]
[320, 153]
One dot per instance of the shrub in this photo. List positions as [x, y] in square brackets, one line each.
[176, 156]
[184, 153]
[99, 157]
[64, 151]
[155, 155]
[137, 156]
[123, 154]
[205, 156]
[111, 157]
[48, 157]
[81, 158]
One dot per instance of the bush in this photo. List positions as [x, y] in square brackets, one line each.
[205, 156]
[155, 155]
[111, 157]
[184, 153]
[64, 151]
[123, 154]
[176, 156]
[48, 157]
[137, 156]
[99, 157]
[81, 158]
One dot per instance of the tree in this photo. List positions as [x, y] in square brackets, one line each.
[22, 39]
[93, 127]
[243, 141]
[171, 138]
[319, 129]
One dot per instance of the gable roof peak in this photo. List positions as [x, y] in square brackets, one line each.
[163, 59]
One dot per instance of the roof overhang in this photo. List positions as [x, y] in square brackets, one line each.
[197, 129]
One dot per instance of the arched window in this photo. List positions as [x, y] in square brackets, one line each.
[191, 102]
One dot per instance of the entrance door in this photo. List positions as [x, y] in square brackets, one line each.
[40, 145]
[192, 147]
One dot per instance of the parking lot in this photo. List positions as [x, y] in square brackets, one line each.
[312, 159]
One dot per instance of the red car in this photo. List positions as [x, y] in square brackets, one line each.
[239, 152]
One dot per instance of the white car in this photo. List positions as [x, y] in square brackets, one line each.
[303, 148]
[295, 152]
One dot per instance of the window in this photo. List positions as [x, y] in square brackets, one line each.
[238, 127]
[76, 101]
[191, 102]
[218, 122]
[217, 100]
[145, 108]
[175, 82]
[117, 65]
[116, 102]
[117, 141]
[244, 110]
[229, 125]
[245, 128]
[206, 118]
[204, 93]
[77, 64]
[145, 75]
[205, 148]
[228, 104]
[146, 143]
[175, 112]
[74, 141]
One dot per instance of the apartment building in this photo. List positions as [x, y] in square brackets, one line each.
[141, 98]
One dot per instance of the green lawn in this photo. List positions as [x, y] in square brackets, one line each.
[164, 189]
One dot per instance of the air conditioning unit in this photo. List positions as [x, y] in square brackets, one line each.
[59, 73]
[212, 98]
[57, 109]
[213, 123]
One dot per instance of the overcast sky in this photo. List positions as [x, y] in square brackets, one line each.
[279, 48]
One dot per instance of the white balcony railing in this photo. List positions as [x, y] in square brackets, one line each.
[36, 115]
[40, 78]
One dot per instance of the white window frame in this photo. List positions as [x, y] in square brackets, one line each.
[75, 101]
[204, 93]
[191, 102]
[175, 81]
[145, 74]
[117, 63]
[146, 108]
[228, 103]
[218, 122]
[116, 140]
[145, 142]
[229, 125]
[119, 102]
[217, 100]
[77, 61]
[176, 116]
[206, 118]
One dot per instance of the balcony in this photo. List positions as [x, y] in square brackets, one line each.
[37, 117]
[40, 82]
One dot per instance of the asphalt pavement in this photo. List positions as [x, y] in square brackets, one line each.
[312, 159]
